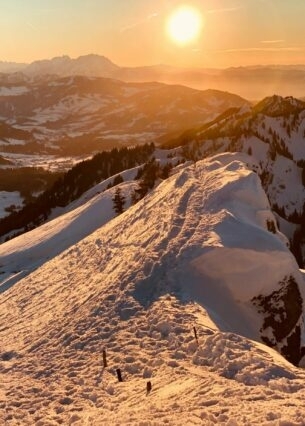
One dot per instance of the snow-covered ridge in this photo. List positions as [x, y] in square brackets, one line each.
[273, 134]
[194, 252]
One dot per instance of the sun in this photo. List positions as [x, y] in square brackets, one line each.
[184, 25]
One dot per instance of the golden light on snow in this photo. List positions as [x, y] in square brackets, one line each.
[184, 25]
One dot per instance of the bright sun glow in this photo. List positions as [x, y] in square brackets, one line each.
[184, 25]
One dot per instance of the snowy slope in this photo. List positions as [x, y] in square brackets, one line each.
[192, 253]
[21, 256]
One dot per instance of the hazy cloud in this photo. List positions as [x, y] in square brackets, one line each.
[153, 15]
[272, 41]
[139, 23]
[30, 25]
[264, 49]
[224, 10]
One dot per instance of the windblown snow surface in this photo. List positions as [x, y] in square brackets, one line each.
[192, 253]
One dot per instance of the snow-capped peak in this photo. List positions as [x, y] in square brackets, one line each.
[277, 105]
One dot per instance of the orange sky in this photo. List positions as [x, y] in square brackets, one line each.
[132, 32]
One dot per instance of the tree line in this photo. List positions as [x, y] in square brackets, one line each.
[73, 184]
[147, 177]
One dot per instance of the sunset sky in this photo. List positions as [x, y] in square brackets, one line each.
[134, 32]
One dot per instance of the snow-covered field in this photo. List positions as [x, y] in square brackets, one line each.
[7, 199]
[13, 91]
[190, 254]
[47, 162]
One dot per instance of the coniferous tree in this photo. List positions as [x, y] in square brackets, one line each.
[118, 179]
[118, 201]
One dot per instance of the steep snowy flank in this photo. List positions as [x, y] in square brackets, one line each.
[202, 250]
[273, 133]
[54, 237]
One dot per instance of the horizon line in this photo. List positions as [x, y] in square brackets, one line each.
[258, 65]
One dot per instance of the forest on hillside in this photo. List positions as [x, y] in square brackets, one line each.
[72, 185]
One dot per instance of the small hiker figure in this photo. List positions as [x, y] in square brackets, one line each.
[148, 387]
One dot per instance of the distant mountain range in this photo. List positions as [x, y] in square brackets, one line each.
[80, 115]
[253, 82]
